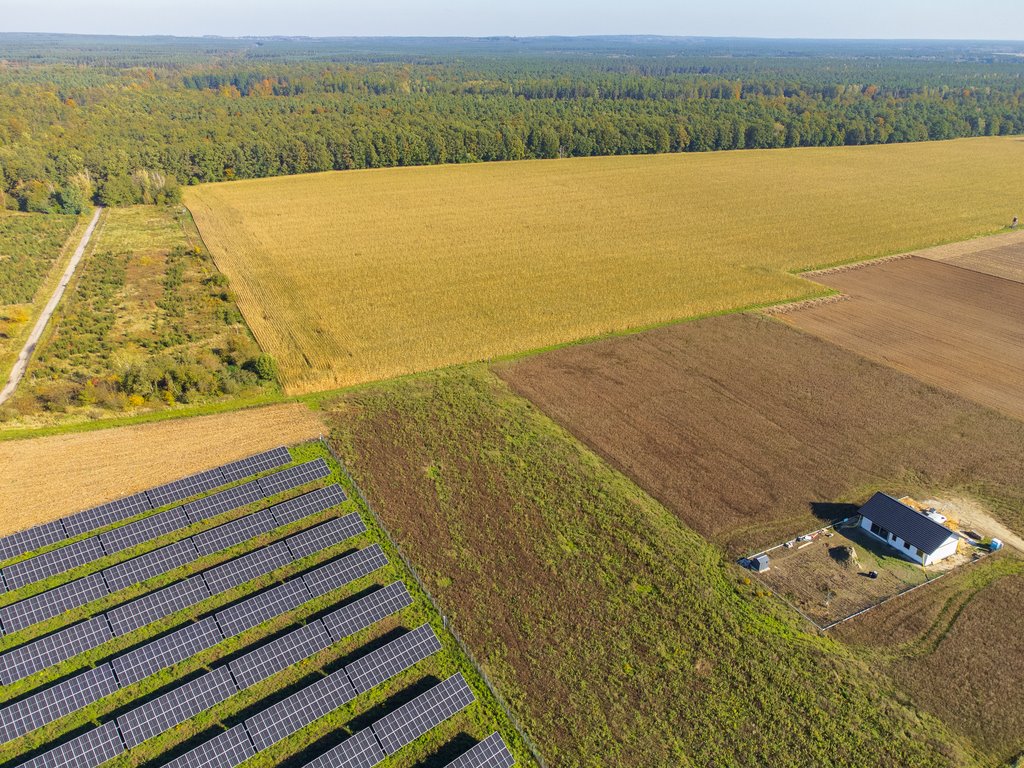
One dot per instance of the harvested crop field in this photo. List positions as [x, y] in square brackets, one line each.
[618, 636]
[998, 255]
[946, 325]
[354, 276]
[750, 430]
[47, 477]
[956, 647]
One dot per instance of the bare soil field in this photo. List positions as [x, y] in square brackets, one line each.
[49, 477]
[949, 326]
[998, 255]
[956, 647]
[750, 430]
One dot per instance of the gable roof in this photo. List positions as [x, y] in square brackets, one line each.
[909, 524]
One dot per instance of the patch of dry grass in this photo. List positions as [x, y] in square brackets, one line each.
[353, 276]
[49, 477]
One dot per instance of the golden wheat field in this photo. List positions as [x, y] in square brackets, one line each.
[353, 276]
[49, 477]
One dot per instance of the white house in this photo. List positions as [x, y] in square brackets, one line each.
[913, 533]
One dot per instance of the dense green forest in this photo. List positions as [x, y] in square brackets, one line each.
[128, 120]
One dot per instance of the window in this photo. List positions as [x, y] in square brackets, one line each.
[920, 553]
[876, 529]
[906, 545]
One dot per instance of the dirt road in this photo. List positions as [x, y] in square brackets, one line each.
[30, 344]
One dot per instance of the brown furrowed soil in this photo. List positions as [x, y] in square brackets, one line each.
[956, 647]
[999, 255]
[750, 430]
[49, 477]
[947, 325]
[619, 636]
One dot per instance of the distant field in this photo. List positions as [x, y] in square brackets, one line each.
[750, 430]
[947, 325]
[361, 275]
[45, 478]
[1000, 255]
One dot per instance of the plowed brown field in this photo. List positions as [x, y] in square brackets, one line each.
[948, 326]
[740, 424]
[999, 255]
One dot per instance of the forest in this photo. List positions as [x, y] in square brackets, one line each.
[122, 121]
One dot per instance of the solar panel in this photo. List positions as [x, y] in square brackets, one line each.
[235, 532]
[278, 654]
[428, 710]
[361, 750]
[226, 750]
[31, 539]
[388, 660]
[157, 605]
[146, 529]
[185, 488]
[53, 602]
[51, 563]
[180, 645]
[53, 649]
[151, 564]
[259, 608]
[299, 710]
[308, 504]
[293, 477]
[327, 535]
[367, 610]
[261, 462]
[489, 753]
[247, 567]
[224, 501]
[86, 751]
[55, 702]
[163, 713]
[345, 570]
[105, 514]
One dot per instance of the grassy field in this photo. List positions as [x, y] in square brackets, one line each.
[619, 636]
[363, 275]
[148, 324]
[45, 478]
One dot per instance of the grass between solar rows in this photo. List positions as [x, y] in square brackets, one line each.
[478, 721]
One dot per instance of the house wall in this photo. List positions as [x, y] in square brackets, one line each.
[948, 547]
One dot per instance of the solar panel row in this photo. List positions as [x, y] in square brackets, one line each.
[53, 649]
[299, 710]
[105, 514]
[278, 654]
[31, 539]
[293, 477]
[489, 753]
[225, 501]
[164, 712]
[247, 567]
[253, 465]
[55, 702]
[235, 532]
[361, 750]
[86, 751]
[326, 535]
[428, 710]
[186, 487]
[307, 504]
[141, 531]
[344, 570]
[54, 602]
[367, 610]
[157, 605]
[155, 563]
[159, 654]
[391, 659]
[230, 748]
[51, 563]
[254, 610]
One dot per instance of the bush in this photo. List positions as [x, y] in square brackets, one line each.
[266, 368]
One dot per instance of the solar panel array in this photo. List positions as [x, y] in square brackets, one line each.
[86, 751]
[367, 610]
[247, 567]
[307, 504]
[326, 535]
[253, 465]
[397, 656]
[489, 753]
[105, 514]
[228, 749]
[186, 487]
[345, 570]
[225, 501]
[52, 603]
[31, 539]
[156, 716]
[428, 710]
[157, 605]
[227, 535]
[51, 563]
[143, 530]
[361, 750]
[293, 477]
[55, 702]
[151, 564]
[299, 710]
[53, 649]
[254, 610]
[159, 654]
[278, 654]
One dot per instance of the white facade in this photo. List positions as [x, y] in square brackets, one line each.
[944, 550]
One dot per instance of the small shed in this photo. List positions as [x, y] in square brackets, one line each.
[915, 534]
[759, 563]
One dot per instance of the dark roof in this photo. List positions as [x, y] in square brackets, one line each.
[909, 524]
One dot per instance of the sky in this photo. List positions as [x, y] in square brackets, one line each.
[934, 19]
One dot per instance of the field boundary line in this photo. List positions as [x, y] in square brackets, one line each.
[447, 624]
[858, 265]
[796, 306]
